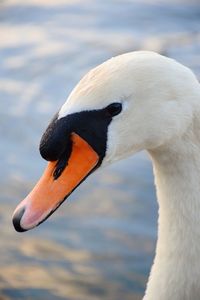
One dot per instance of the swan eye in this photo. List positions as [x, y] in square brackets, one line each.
[114, 109]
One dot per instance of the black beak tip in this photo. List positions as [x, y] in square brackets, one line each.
[17, 218]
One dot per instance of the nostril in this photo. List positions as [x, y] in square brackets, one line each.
[17, 219]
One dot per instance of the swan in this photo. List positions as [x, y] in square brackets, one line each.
[136, 101]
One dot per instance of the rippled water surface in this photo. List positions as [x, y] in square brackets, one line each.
[99, 245]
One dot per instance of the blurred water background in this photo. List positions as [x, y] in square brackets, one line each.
[100, 244]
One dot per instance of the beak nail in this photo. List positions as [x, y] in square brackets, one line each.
[17, 219]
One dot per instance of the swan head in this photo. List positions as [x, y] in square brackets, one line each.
[135, 101]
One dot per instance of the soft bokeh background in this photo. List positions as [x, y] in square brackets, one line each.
[99, 245]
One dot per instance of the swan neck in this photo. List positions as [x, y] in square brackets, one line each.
[176, 267]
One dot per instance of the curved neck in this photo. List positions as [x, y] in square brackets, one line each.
[176, 270]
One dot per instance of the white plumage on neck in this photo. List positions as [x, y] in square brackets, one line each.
[176, 270]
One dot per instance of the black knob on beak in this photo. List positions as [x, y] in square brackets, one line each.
[55, 140]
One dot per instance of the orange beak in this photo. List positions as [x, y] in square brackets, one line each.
[49, 192]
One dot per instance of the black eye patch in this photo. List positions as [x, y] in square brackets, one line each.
[92, 126]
